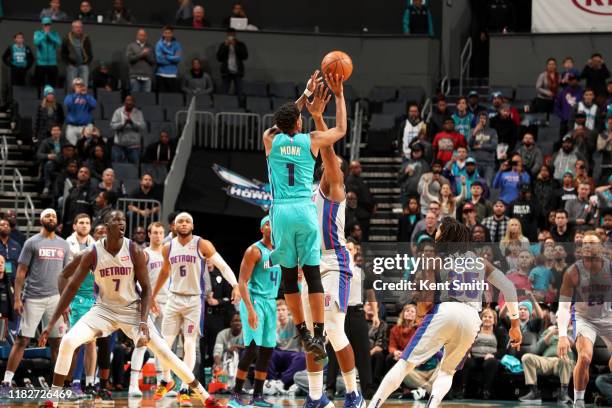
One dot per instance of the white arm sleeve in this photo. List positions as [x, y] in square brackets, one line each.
[563, 317]
[224, 268]
[505, 286]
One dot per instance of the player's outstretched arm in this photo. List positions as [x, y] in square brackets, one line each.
[268, 138]
[331, 136]
[69, 292]
[310, 88]
[68, 271]
[142, 277]
[249, 260]
[208, 250]
[566, 293]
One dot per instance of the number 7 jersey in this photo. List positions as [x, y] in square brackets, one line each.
[114, 277]
[186, 267]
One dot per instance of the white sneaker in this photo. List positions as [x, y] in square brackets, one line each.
[171, 394]
[418, 394]
[269, 388]
[280, 387]
[292, 390]
[134, 392]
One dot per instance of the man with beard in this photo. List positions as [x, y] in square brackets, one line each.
[80, 198]
[9, 249]
[531, 154]
[483, 145]
[525, 209]
[11, 217]
[414, 125]
[565, 158]
[438, 114]
[40, 263]
[411, 172]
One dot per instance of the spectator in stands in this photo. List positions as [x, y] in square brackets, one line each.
[19, 58]
[567, 101]
[547, 86]
[6, 292]
[80, 199]
[109, 183]
[232, 54]
[562, 231]
[64, 181]
[168, 54]
[604, 385]
[474, 107]
[510, 177]
[585, 140]
[485, 354]
[355, 234]
[580, 211]
[102, 206]
[351, 211]
[565, 159]
[433, 181]
[448, 202]
[483, 145]
[288, 357]
[378, 343]
[140, 237]
[482, 207]
[447, 141]
[46, 42]
[9, 249]
[497, 224]
[568, 190]
[401, 333]
[129, 126]
[532, 156]
[525, 209]
[184, 12]
[542, 277]
[86, 13]
[544, 188]
[507, 131]
[604, 146]
[237, 12]
[49, 113]
[229, 342]
[438, 114]
[141, 62]
[413, 127]
[161, 152]
[98, 162]
[497, 100]
[568, 71]
[11, 216]
[47, 153]
[103, 78]
[366, 205]
[456, 169]
[197, 82]
[595, 73]
[589, 108]
[430, 227]
[54, 12]
[197, 20]
[90, 140]
[119, 14]
[514, 236]
[146, 191]
[417, 19]
[546, 361]
[411, 172]
[77, 53]
[410, 217]
[79, 107]
[463, 118]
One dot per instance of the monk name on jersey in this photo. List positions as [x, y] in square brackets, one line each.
[291, 150]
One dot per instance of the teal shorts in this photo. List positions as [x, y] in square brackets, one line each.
[295, 234]
[265, 334]
[79, 306]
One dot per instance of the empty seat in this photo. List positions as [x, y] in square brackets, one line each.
[131, 184]
[109, 98]
[144, 98]
[258, 104]
[396, 109]
[24, 93]
[171, 99]
[382, 94]
[125, 171]
[277, 102]
[283, 90]
[157, 171]
[330, 109]
[203, 101]
[60, 94]
[149, 138]
[255, 88]
[171, 112]
[525, 93]
[104, 127]
[97, 113]
[153, 113]
[223, 102]
[410, 94]
[381, 121]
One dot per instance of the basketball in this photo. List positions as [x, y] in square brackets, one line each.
[337, 62]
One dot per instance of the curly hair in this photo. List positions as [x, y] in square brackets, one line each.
[452, 230]
[286, 117]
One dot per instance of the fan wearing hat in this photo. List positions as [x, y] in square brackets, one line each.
[474, 106]
[565, 158]
[481, 206]
[567, 100]
[46, 42]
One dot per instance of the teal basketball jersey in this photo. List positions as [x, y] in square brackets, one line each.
[291, 167]
[266, 278]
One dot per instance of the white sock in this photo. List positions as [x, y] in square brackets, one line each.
[390, 383]
[199, 389]
[350, 381]
[440, 388]
[315, 385]
[137, 359]
[75, 381]
[89, 380]
[167, 376]
[578, 395]
[8, 376]
[134, 377]
[159, 375]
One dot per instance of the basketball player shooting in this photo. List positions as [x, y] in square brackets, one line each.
[118, 266]
[291, 156]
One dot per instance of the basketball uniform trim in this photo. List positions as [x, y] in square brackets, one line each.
[419, 332]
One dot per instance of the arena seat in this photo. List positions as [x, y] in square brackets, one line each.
[397, 109]
[255, 88]
[155, 127]
[258, 104]
[203, 101]
[131, 184]
[380, 94]
[172, 110]
[144, 98]
[410, 94]
[171, 99]
[277, 102]
[125, 171]
[525, 93]
[381, 121]
[104, 127]
[283, 90]
[24, 93]
[505, 90]
[157, 171]
[224, 102]
[153, 113]
[111, 99]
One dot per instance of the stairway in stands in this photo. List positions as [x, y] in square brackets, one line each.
[20, 160]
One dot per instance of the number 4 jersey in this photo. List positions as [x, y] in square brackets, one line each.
[186, 266]
[266, 277]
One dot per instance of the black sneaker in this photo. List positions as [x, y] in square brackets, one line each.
[104, 397]
[563, 398]
[532, 396]
[316, 346]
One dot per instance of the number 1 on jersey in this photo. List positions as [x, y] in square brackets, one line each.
[291, 169]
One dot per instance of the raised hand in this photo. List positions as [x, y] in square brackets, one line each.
[334, 82]
[316, 107]
[314, 81]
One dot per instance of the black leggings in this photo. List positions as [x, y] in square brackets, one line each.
[487, 367]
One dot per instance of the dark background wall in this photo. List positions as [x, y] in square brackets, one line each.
[518, 59]
[378, 60]
[330, 16]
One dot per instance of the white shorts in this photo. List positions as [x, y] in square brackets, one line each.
[105, 320]
[591, 328]
[37, 310]
[450, 325]
[331, 303]
[183, 313]
[159, 318]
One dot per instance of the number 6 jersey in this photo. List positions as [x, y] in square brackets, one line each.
[186, 266]
[114, 277]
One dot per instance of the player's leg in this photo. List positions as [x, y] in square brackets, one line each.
[136, 363]
[171, 326]
[191, 330]
[104, 360]
[91, 357]
[584, 347]
[266, 309]
[58, 330]
[252, 337]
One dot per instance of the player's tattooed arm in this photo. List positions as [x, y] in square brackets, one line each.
[250, 259]
[207, 249]
[161, 278]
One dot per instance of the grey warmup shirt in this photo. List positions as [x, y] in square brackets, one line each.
[45, 258]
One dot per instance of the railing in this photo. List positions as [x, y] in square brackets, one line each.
[4, 157]
[466, 57]
[17, 187]
[426, 111]
[356, 132]
[237, 131]
[176, 175]
[205, 130]
[153, 209]
[445, 85]
[29, 212]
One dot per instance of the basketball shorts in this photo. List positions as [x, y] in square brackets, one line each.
[106, 319]
[40, 310]
[183, 314]
[337, 297]
[79, 306]
[452, 326]
[265, 333]
[295, 234]
[591, 328]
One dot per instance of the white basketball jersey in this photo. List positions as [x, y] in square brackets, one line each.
[186, 266]
[115, 280]
[465, 284]
[331, 221]
[155, 261]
